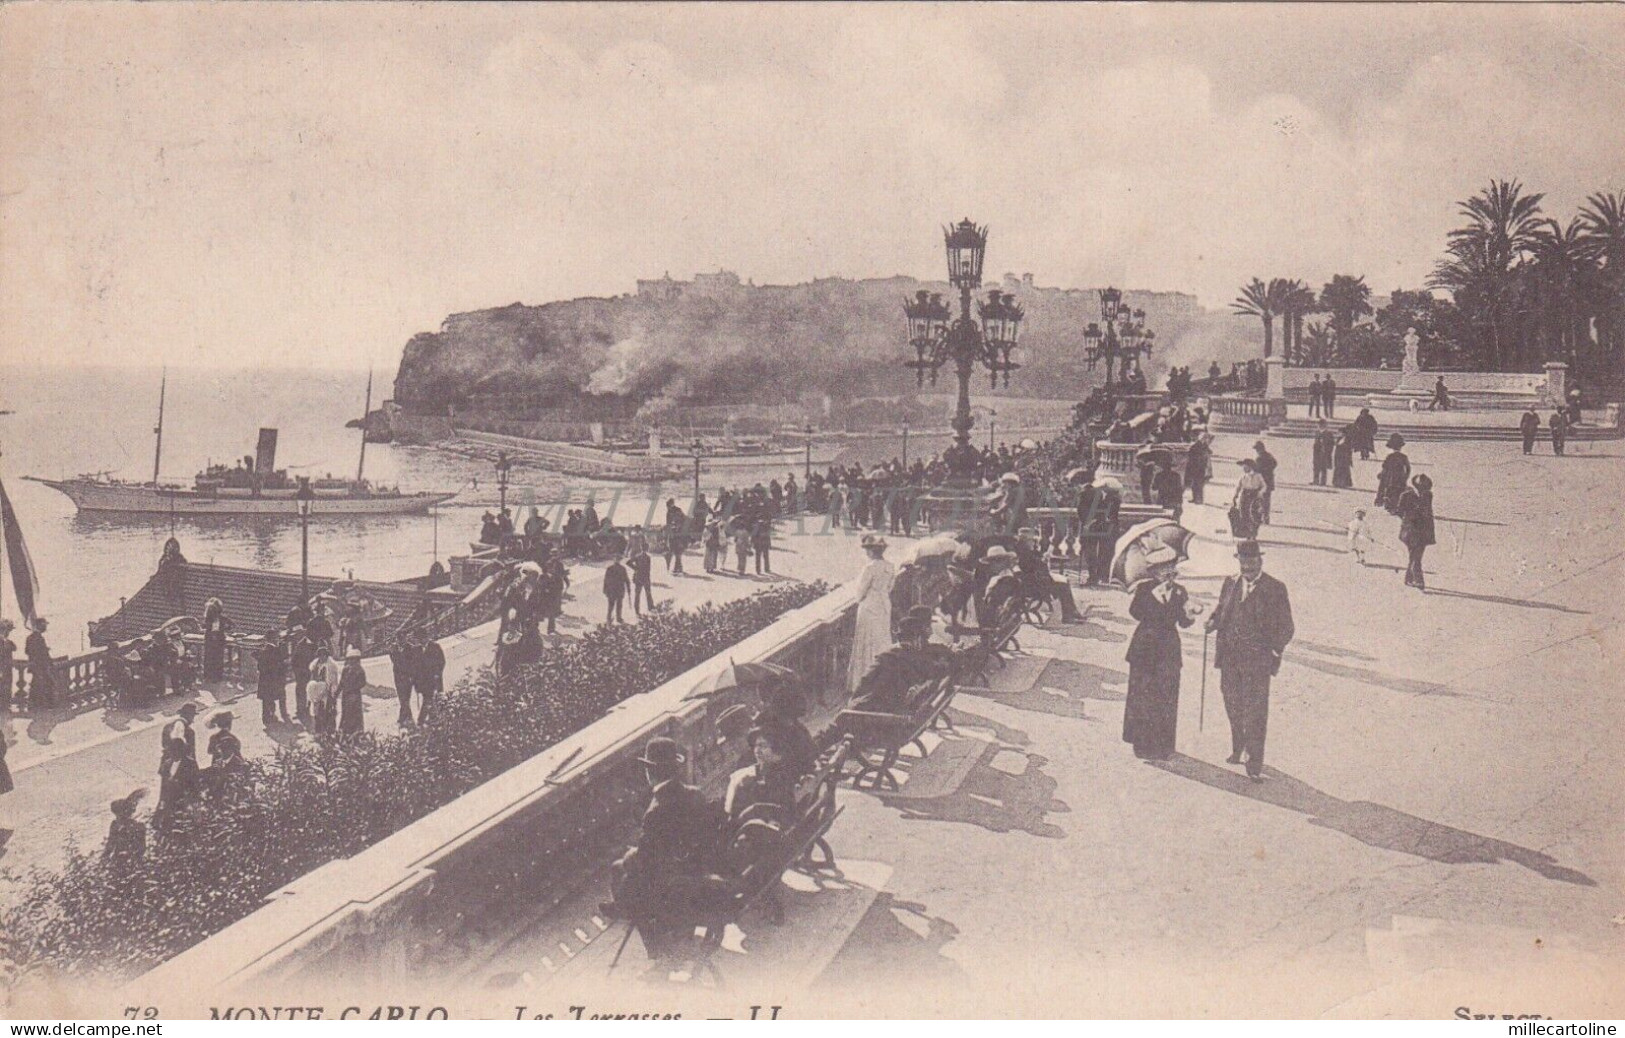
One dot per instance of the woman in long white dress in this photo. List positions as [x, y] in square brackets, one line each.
[873, 634]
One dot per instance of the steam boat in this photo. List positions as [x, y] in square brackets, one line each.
[254, 486]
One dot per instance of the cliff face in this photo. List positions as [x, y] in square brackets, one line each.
[750, 343]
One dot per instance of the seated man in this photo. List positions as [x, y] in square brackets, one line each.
[1035, 574]
[662, 884]
[1004, 588]
[901, 669]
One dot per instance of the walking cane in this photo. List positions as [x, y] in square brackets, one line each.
[1201, 710]
[624, 938]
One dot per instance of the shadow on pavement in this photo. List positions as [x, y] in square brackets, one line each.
[1367, 676]
[1374, 824]
[1503, 600]
[996, 799]
[1002, 732]
[895, 939]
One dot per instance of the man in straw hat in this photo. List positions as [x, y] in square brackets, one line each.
[1253, 621]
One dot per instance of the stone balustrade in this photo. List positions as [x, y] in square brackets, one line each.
[498, 858]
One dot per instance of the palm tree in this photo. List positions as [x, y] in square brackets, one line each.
[1320, 346]
[1256, 301]
[1559, 288]
[1602, 222]
[1297, 301]
[1480, 268]
[1347, 298]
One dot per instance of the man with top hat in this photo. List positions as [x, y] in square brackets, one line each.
[655, 883]
[177, 765]
[1253, 623]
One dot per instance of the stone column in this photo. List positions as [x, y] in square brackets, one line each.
[1557, 383]
[1275, 378]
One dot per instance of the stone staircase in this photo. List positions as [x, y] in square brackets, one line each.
[1492, 426]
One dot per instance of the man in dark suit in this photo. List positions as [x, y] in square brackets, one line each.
[1266, 463]
[616, 582]
[658, 884]
[1321, 453]
[1529, 426]
[431, 675]
[1254, 624]
[1328, 396]
[1560, 431]
[1098, 508]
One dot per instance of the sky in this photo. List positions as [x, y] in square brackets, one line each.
[278, 184]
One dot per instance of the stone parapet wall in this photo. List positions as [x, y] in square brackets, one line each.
[532, 831]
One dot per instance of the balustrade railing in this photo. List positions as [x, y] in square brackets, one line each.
[84, 682]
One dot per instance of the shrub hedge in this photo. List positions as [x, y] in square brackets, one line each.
[215, 861]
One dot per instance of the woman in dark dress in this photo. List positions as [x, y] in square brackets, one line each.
[351, 681]
[215, 628]
[1395, 474]
[1416, 527]
[1343, 459]
[1151, 714]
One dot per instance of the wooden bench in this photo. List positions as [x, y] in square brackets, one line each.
[792, 846]
[878, 737]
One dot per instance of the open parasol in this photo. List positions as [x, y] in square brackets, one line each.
[742, 675]
[1128, 560]
[942, 544]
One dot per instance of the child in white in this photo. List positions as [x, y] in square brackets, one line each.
[1359, 535]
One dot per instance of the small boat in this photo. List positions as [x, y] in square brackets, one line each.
[254, 486]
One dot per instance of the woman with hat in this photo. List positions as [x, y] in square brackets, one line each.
[1415, 510]
[872, 635]
[41, 677]
[1247, 505]
[215, 629]
[1161, 605]
[225, 751]
[127, 836]
[351, 681]
[1395, 474]
[1343, 458]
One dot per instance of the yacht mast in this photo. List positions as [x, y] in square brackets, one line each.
[366, 410]
[158, 430]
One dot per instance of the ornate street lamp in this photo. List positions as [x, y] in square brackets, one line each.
[807, 475]
[1121, 342]
[938, 339]
[304, 496]
[503, 465]
[699, 452]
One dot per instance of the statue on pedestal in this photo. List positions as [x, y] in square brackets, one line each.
[1412, 343]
